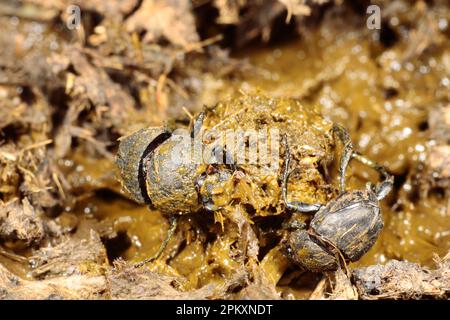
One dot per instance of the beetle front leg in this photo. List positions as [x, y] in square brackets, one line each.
[173, 225]
[384, 187]
[296, 206]
[197, 124]
[344, 136]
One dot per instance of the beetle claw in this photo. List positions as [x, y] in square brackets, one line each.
[382, 188]
[173, 225]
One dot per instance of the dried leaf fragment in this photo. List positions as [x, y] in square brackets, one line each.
[172, 19]
[20, 221]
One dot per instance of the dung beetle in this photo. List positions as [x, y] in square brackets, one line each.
[151, 174]
[342, 230]
[155, 170]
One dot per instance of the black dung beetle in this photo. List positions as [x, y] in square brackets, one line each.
[342, 230]
[155, 170]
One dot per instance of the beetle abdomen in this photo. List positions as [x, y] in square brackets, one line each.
[133, 150]
[170, 177]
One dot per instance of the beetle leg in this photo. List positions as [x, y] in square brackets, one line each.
[384, 187]
[218, 150]
[173, 225]
[198, 123]
[344, 136]
[296, 206]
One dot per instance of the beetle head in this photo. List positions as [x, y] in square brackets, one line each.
[215, 188]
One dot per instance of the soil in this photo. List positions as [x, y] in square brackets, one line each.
[68, 229]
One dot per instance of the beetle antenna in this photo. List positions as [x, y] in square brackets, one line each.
[384, 187]
[173, 225]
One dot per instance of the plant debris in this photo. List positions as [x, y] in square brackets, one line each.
[403, 280]
[20, 222]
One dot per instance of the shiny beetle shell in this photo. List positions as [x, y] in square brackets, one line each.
[350, 223]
